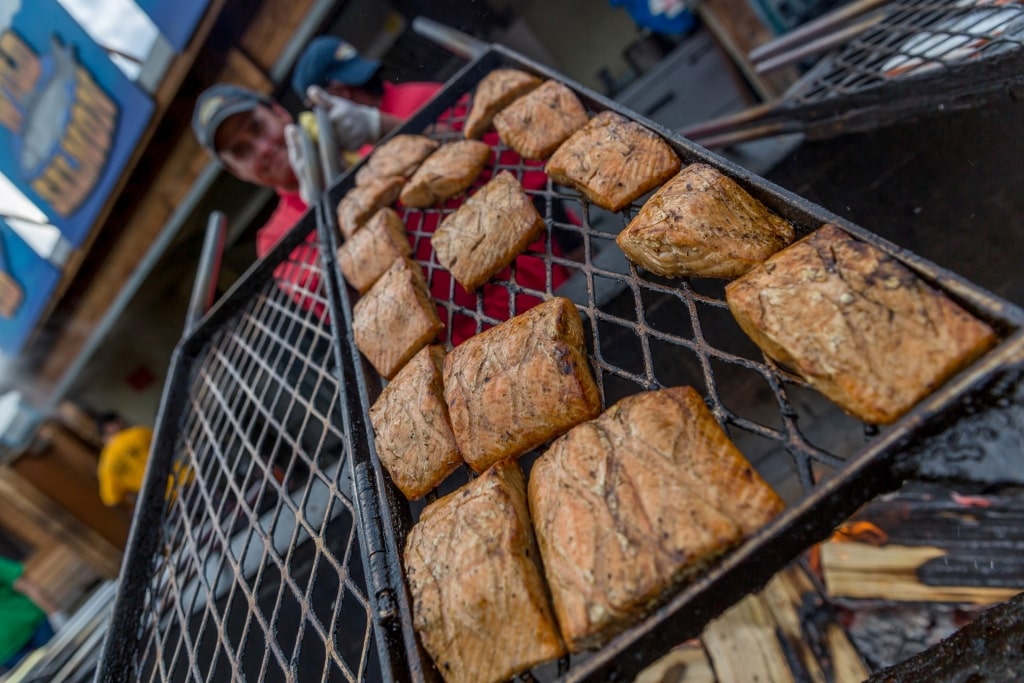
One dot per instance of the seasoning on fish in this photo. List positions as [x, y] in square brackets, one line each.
[613, 161]
[858, 325]
[360, 203]
[487, 232]
[413, 432]
[537, 123]
[367, 254]
[479, 602]
[496, 91]
[629, 506]
[701, 223]
[396, 318]
[512, 387]
[445, 173]
[399, 156]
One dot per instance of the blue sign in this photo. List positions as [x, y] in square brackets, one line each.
[69, 118]
[27, 282]
[175, 19]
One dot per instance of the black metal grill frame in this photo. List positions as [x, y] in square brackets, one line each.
[162, 537]
[880, 465]
[846, 90]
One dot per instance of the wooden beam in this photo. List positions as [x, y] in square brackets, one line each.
[42, 512]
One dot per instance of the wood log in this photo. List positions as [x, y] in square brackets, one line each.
[688, 663]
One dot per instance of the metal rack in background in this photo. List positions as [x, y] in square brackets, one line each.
[275, 553]
[885, 62]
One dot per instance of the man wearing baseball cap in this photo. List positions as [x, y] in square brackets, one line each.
[257, 141]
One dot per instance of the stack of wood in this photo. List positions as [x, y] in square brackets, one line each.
[906, 571]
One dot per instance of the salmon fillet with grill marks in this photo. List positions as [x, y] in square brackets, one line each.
[512, 387]
[487, 232]
[858, 325]
[701, 223]
[399, 156]
[445, 173]
[413, 431]
[537, 123]
[360, 203]
[366, 255]
[396, 318]
[629, 506]
[613, 161]
[479, 603]
[496, 91]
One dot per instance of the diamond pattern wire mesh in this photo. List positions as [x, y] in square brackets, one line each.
[916, 37]
[259, 574]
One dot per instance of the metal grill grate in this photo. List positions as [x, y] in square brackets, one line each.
[646, 332]
[256, 572]
[916, 37]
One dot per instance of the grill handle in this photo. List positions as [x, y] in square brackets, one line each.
[462, 44]
[205, 286]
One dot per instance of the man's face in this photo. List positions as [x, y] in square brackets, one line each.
[252, 146]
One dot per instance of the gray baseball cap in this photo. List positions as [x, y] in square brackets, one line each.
[216, 104]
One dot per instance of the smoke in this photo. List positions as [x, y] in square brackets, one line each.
[8, 8]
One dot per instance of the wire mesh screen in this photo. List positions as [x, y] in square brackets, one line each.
[915, 37]
[645, 332]
[258, 574]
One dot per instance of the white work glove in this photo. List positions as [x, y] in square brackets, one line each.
[304, 168]
[354, 124]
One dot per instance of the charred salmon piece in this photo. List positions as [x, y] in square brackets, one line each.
[537, 123]
[858, 325]
[445, 173]
[487, 232]
[414, 434]
[399, 156]
[396, 318]
[362, 202]
[629, 506]
[479, 602]
[701, 223]
[613, 161]
[496, 91]
[512, 387]
[367, 254]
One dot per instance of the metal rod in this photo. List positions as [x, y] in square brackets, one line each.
[328, 146]
[730, 121]
[822, 44]
[455, 41]
[205, 286]
[812, 29]
[754, 133]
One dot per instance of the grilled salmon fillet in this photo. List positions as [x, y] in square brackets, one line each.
[361, 202]
[367, 254]
[487, 232]
[445, 173]
[413, 432]
[479, 603]
[701, 223]
[516, 385]
[856, 324]
[630, 505]
[399, 156]
[396, 318]
[613, 161]
[496, 91]
[537, 123]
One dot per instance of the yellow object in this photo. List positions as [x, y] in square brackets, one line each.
[307, 120]
[122, 466]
